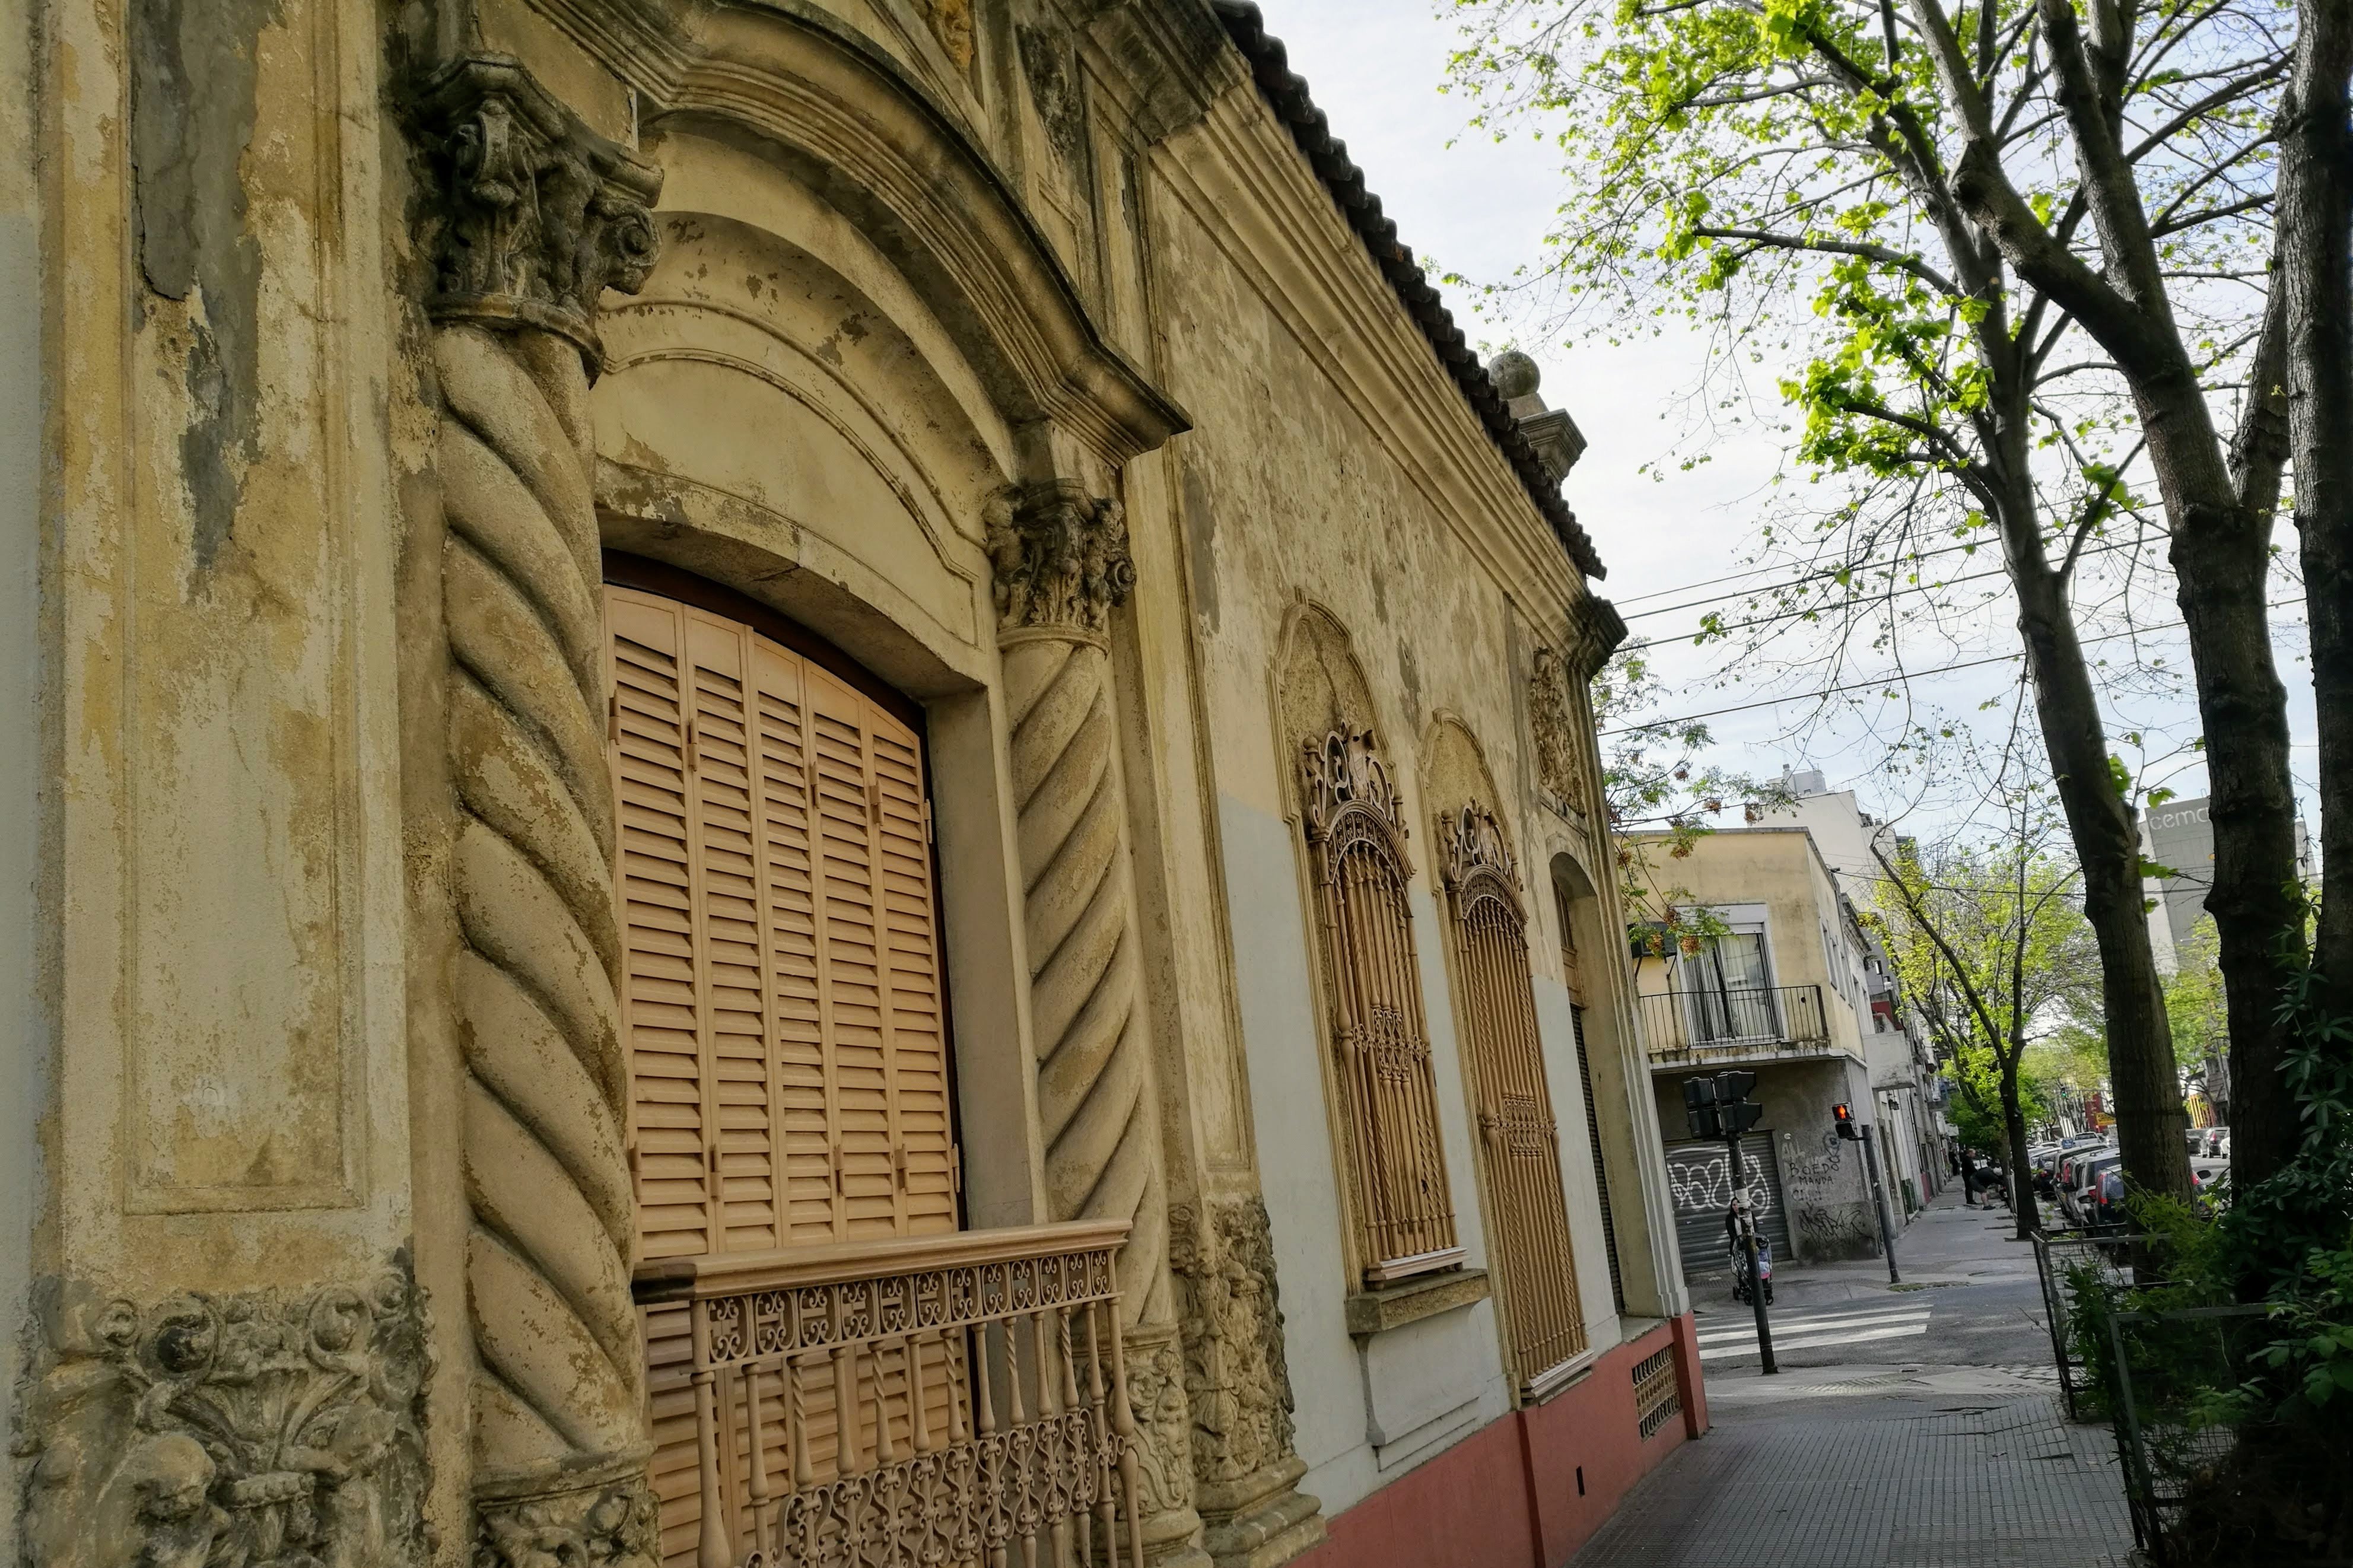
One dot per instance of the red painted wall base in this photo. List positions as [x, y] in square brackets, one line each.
[1528, 1491]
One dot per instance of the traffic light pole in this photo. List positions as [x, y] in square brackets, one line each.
[1749, 1246]
[1879, 1202]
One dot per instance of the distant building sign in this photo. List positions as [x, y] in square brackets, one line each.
[2179, 836]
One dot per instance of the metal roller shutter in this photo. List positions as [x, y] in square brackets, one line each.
[1699, 1173]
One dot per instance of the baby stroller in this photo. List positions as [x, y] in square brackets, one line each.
[1740, 1267]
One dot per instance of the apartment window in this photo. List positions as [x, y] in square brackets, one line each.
[1728, 986]
[1396, 1167]
[1518, 1143]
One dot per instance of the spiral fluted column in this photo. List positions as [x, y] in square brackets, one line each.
[540, 215]
[1062, 565]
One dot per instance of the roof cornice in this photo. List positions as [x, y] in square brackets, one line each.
[1286, 93]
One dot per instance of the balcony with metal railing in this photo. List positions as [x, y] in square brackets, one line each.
[1727, 1026]
[948, 1399]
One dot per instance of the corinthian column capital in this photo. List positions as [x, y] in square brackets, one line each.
[535, 215]
[1061, 558]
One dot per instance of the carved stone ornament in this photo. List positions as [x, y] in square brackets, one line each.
[1235, 1371]
[1556, 738]
[537, 214]
[951, 23]
[1343, 770]
[1475, 842]
[1060, 556]
[613, 1526]
[1164, 1453]
[261, 1430]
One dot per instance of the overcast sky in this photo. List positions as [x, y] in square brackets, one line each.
[1482, 210]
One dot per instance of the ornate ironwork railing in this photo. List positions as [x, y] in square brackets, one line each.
[1699, 1026]
[950, 1399]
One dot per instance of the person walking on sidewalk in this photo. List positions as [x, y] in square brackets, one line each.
[1968, 1178]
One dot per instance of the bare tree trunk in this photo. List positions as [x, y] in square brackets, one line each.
[2315, 274]
[2023, 1206]
[2151, 1118]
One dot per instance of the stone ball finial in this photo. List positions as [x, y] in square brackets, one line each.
[1514, 374]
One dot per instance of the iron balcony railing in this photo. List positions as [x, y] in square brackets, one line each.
[1701, 1025]
[915, 1400]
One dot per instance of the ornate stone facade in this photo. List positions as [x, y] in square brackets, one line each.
[263, 1429]
[951, 23]
[1344, 769]
[537, 216]
[1553, 730]
[1062, 564]
[615, 1526]
[1474, 841]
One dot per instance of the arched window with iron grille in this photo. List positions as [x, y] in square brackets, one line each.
[1396, 1164]
[1518, 1144]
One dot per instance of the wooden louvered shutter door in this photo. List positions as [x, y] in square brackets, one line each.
[781, 990]
[788, 1047]
[662, 980]
[925, 1125]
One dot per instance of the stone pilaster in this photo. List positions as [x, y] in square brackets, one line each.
[533, 218]
[1062, 565]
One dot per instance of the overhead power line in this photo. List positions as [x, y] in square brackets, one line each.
[1854, 571]
[1760, 571]
[1895, 678]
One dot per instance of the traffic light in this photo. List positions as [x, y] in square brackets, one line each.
[1735, 1114]
[1699, 1108]
[1846, 1127]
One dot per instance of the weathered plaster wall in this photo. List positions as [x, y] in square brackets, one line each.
[26, 1037]
[231, 1026]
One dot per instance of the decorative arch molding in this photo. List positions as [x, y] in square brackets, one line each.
[1455, 773]
[818, 100]
[1319, 686]
[1479, 863]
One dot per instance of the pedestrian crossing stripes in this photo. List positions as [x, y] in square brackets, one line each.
[1736, 1333]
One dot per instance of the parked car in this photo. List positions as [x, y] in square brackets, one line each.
[2107, 1205]
[2218, 1142]
[2205, 1174]
[2082, 1197]
[2068, 1176]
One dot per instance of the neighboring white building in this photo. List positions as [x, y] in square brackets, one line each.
[1903, 1065]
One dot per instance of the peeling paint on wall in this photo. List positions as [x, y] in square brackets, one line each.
[193, 68]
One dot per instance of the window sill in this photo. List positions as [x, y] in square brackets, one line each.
[1560, 1379]
[1394, 1306]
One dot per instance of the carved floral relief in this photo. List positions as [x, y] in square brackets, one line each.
[1235, 1369]
[258, 1430]
[1553, 732]
[1344, 769]
[1060, 558]
[1156, 1398]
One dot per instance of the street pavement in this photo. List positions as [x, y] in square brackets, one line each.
[1909, 1425]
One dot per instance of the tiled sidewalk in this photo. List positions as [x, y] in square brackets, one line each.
[1854, 1481]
